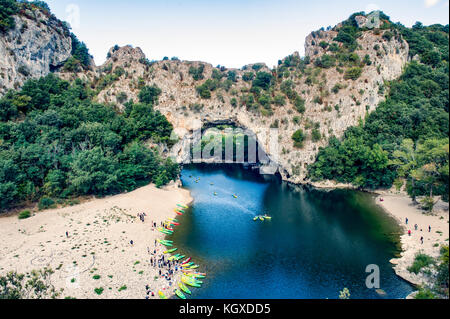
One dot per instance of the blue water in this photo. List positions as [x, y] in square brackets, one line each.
[316, 244]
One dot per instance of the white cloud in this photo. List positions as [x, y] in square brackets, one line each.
[431, 3]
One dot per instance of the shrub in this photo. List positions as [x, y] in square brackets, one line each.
[24, 214]
[197, 73]
[420, 261]
[300, 105]
[248, 76]
[353, 73]
[425, 294]
[45, 203]
[149, 94]
[315, 135]
[98, 291]
[298, 138]
[263, 80]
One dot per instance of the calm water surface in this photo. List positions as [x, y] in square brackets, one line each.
[316, 244]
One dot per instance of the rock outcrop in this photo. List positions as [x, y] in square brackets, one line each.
[38, 44]
[332, 111]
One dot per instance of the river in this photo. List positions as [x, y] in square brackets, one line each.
[316, 244]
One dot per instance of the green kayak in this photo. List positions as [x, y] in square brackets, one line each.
[184, 288]
[180, 294]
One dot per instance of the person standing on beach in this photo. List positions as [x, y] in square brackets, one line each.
[131, 242]
[429, 228]
[409, 232]
[421, 239]
[67, 234]
[415, 227]
[406, 220]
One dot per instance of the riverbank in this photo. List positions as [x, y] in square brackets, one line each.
[401, 207]
[97, 253]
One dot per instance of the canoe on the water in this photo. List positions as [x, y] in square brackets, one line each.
[261, 218]
[255, 218]
[184, 288]
[180, 294]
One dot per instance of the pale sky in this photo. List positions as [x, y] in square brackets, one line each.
[228, 32]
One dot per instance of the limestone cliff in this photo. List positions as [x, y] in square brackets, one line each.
[38, 44]
[332, 99]
[332, 102]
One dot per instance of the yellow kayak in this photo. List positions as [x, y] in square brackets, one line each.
[161, 295]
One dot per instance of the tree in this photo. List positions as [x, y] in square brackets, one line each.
[263, 80]
[149, 94]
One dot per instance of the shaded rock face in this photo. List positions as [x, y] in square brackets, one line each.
[36, 46]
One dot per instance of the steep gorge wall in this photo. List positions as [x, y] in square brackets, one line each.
[183, 106]
[43, 45]
[36, 45]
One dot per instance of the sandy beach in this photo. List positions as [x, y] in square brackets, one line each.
[401, 207]
[97, 252]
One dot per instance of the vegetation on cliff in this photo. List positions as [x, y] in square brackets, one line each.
[406, 138]
[56, 142]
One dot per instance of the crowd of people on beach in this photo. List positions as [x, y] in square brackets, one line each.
[166, 268]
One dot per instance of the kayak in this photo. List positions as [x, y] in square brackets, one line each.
[161, 295]
[179, 213]
[172, 219]
[165, 231]
[173, 257]
[180, 294]
[255, 218]
[182, 206]
[179, 257]
[215, 194]
[186, 261]
[184, 288]
[235, 196]
[267, 217]
[170, 251]
[195, 275]
[166, 244]
[175, 224]
[180, 210]
[190, 282]
[261, 218]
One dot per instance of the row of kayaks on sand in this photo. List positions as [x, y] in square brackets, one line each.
[190, 277]
[262, 218]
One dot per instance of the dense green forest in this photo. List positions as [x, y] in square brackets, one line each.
[56, 143]
[406, 138]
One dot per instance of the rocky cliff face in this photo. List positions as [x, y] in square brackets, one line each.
[329, 109]
[333, 101]
[38, 44]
